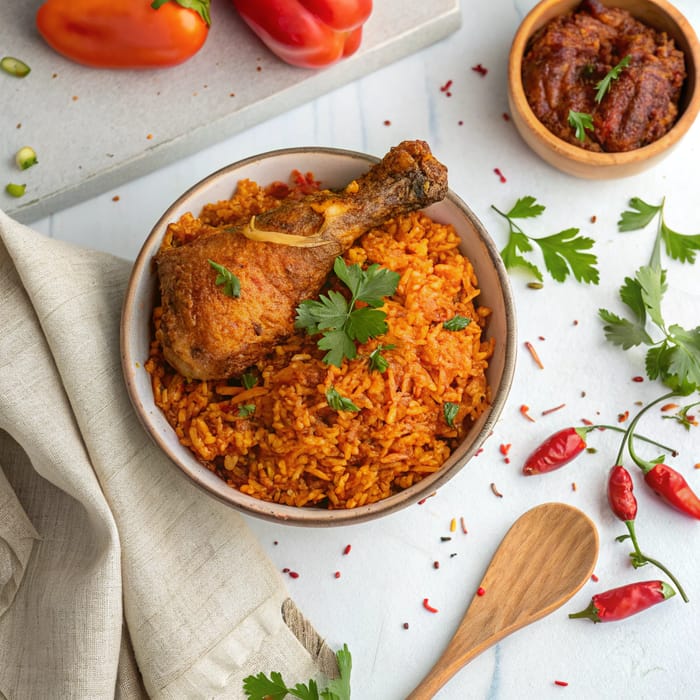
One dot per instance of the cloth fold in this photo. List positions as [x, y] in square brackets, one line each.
[118, 578]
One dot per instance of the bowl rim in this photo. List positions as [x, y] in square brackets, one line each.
[527, 28]
[282, 513]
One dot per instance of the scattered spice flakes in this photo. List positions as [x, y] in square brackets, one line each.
[481, 591]
[386, 122]
[336, 574]
[594, 578]
[149, 136]
[478, 68]
[622, 417]
[446, 88]
[347, 549]
[506, 117]
[638, 378]
[535, 285]
[423, 500]
[547, 411]
[405, 625]
[561, 683]
[290, 573]
[573, 486]
[460, 122]
[495, 491]
[115, 198]
[463, 525]
[428, 606]
[453, 524]
[669, 407]
[696, 466]
[531, 349]
[74, 98]
[594, 218]
[436, 564]
[445, 538]
[500, 175]
[524, 411]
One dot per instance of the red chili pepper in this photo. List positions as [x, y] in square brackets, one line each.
[556, 451]
[619, 603]
[673, 488]
[620, 494]
[307, 33]
[125, 33]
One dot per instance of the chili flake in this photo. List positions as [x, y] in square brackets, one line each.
[405, 625]
[423, 500]
[481, 591]
[562, 683]
[594, 578]
[436, 564]
[501, 176]
[638, 378]
[504, 448]
[524, 410]
[622, 417]
[347, 549]
[552, 410]
[495, 490]
[506, 117]
[478, 68]
[669, 406]
[336, 574]
[446, 88]
[464, 525]
[428, 606]
[533, 352]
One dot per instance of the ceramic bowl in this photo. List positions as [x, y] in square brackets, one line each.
[334, 168]
[577, 161]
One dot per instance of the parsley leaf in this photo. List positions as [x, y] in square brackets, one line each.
[338, 402]
[613, 74]
[580, 121]
[338, 320]
[449, 412]
[262, 687]
[679, 246]
[226, 279]
[675, 357]
[246, 410]
[456, 323]
[563, 252]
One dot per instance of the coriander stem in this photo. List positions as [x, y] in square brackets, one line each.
[655, 260]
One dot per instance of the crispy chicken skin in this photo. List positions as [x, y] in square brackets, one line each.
[208, 335]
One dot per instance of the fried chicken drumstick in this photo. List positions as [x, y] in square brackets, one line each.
[208, 335]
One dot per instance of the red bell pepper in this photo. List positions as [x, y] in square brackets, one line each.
[307, 33]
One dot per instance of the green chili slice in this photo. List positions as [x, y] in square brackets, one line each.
[14, 66]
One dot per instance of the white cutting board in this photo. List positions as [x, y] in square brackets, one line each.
[96, 129]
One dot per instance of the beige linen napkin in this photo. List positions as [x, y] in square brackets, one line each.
[118, 578]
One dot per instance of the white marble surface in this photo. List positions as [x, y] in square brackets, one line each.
[389, 570]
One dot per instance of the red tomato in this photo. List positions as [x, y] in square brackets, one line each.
[124, 33]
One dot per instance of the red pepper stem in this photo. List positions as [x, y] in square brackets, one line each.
[639, 559]
[591, 613]
[617, 428]
[629, 433]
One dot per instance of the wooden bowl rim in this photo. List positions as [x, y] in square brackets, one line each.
[527, 28]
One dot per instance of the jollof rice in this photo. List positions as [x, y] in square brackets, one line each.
[288, 445]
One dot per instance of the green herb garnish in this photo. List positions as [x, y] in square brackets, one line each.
[262, 687]
[613, 74]
[678, 246]
[580, 121]
[450, 411]
[338, 402]
[338, 320]
[562, 252]
[377, 361]
[246, 410]
[248, 380]
[231, 285]
[456, 323]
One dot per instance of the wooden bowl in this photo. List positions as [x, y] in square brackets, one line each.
[334, 168]
[571, 159]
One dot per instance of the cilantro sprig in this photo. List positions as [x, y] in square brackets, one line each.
[563, 252]
[273, 687]
[603, 85]
[580, 121]
[340, 321]
[673, 352]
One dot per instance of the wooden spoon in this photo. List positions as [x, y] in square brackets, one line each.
[544, 559]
